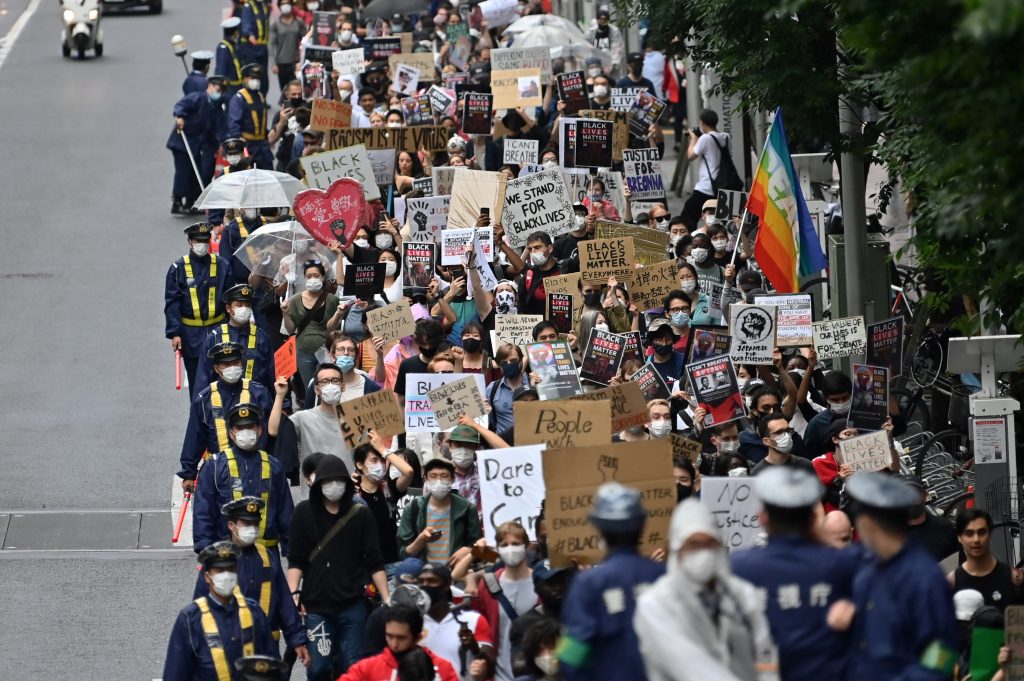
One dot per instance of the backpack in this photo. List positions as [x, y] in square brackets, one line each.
[727, 177]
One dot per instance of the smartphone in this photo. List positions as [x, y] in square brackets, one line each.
[435, 535]
[484, 210]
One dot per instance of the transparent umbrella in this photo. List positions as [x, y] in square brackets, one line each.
[563, 37]
[534, 21]
[250, 189]
[279, 250]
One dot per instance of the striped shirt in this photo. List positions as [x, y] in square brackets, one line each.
[439, 551]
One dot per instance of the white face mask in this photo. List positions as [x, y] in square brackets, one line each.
[737, 473]
[233, 158]
[462, 456]
[720, 244]
[700, 566]
[662, 225]
[333, 489]
[784, 443]
[247, 535]
[439, 489]
[390, 267]
[345, 36]
[312, 6]
[699, 254]
[231, 374]
[538, 258]
[550, 163]
[729, 446]
[330, 394]
[200, 248]
[601, 91]
[224, 583]
[674, 239]
[247, 439]
[362, 243]
[345, 94]
[512, 555]
[314, 284]
[249, 213]
[688, 286]
[242, 315]
[253, 83]
[594, 71]
[394, 124]
[581, 222]
[547, 664]
[286, 10]
[741, 382]
[601, 327]
[660, 428]
[383, 241]
[375, 472]
[839, 408]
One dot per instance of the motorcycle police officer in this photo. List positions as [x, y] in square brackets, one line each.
[207, 429]
[240, 328]
[247, 118]
[255, 38]
[798, 577]
[598, 640]
[194, 284]
[228, 64]
[198, 116]
[195, 81]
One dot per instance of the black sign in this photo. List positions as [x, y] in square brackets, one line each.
[379, 49]
[572, 89]
[364, 280]
[417, 266]
[593, 143]
[477, 111]
[323, 28]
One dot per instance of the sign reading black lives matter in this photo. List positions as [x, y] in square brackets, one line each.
[537, 202]
[593, 143]
[753, 333]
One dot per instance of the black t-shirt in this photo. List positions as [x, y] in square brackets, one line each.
[532, 296]
[384, 515]
[937, 536]
[566, 252]
[409, 365]
[997, 586]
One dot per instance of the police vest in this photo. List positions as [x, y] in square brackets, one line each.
[193, 293]
[213, 638]
[237, 80]
[237, 492]
[225, 337]
[217, 407]
[259, 117]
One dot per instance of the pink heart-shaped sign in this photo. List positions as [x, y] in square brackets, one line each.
[335, 214]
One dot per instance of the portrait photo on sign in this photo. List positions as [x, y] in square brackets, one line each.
[707, 341]
[529, 86]
[714, 387]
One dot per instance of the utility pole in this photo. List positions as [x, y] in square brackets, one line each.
[855, 230]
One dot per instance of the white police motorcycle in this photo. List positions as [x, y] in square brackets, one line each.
[81, 32]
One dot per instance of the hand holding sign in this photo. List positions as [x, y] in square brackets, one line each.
[335, 214]
[284, 359]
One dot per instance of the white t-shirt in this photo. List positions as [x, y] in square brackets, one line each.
[443, 637]
[706, 149]
[523, 598]
[319, 431]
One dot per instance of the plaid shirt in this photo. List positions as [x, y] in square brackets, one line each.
[468, 486]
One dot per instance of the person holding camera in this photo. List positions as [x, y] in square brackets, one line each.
[708, 145]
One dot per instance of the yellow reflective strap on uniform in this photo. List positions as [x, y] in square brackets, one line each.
[250, 364]
[236, 490]
[211, 304]
[265, 495]
[238, 66]
[192, 292]
[265, 584]
[242, 230]
[261, 25]
[245, 622]
[219, 425]
[225, 337]
[258, 131]
[244, 397]
[213, 640]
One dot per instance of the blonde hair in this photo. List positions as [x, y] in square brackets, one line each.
[509, 527]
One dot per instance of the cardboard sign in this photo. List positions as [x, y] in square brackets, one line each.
[564, 283]
[628, 405]
[593, 143]
[348, 62]
[753, 333]
[650, 245]
[419, 412]
[381, 48]
[885, 345]
[793, 315]
[523, 58]
[335, 214]
[1014, 637]
[454, 399]
[328, 115]
[572, 90]
[454, 243]
[869, 407]
[731, 204]
[511, 488]
[516, 88]
[383, 163]
[620, 130]
[417, 111]
[562, 424]
[706, 343]
[364, 279]
[418, 260]
[684, 446]
[323, 28]
[411, 139]
[499, 13]
[554, 364]
[537, 202]
[284, 359]
[871, 452]
[426, 217]
[559, 310]
[603, 258]
[736, 508]
[646, 110]
[473, 190]
[652, 385]
[423, 62]
[642, 168]
[324, 168]
[377, 411]
[442, 100]
[477, 112]
[572, 477]
[713, 385]
[392, 322]
[623, 97]
[444, 178]
[840, 338]
[514, 329]
[602, 356]
[519, 152]
[652, 283]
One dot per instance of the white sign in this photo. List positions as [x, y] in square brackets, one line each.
[511, 487]
[989, 438]
[454, 243]
[513, 329]
[407, 79]
[515, 58]
[324, 168]
[794, 317]
[519, 152]
[643, 174]
[840, 338]
[482, 250]
[383, 163]
[623, 97]
[753, 333]
[537, 202]
[347, 62]
[442, 100]
[867, 453]
[500, 12]
[444, 178]
[736, 508]
[426, 217]
[419, 414]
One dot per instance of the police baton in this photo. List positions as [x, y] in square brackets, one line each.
[177, 369]
[181, 518]
[192, 158]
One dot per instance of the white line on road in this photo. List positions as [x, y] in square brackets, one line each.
[7, 42]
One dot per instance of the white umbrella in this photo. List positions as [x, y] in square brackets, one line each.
[250, 189]
[532, 21]
[563, 37]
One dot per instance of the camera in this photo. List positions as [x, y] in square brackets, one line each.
[696, 132]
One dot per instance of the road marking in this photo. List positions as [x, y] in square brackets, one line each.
[7, 42]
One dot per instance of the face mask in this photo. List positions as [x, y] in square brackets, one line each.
[683, 492]
[799, 372]
[253, 84]
[428, 352]
[375, 472]
[720, 244]
[597, 196]
[784, 443]
[224, 583]
[247, 535]
[662, 225]
[390, 267]
[737, 473]
[396, 28]
[330, 394]
[680, 318]
[512, 555]
[345, 362]
[660, 428]
[547, 664]
[249, 213]
[741, 383]
[601, 327]
[394, 124]
[242, 315]
[231, 374]
[437, 594]
[839, 408]
[699, 254]
[462, 456]
[729, 446]
[345, 94]
[662, 349]
[601, 91]
[314, 284]
[550, 163]
[333, 489]
[201, 248]
[439, 489]
[538, 258]
[472, 345]
[246, 439]
[506, 302]
[594, 72]
[688, 286]
[312, 6]
[710, 221]
[581, 222]
[214, 96]
[362, 243]
[511, 370]
[383, 240]
[286, 10]
[592, 299]
[233, 158]
[345, 36]
[700, 566]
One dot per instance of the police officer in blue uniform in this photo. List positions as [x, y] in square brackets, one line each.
[200, 117]
[239, 327]
[255, 38]
[904, 626]
[799, 578]
[242, 469]
[260, 575]
[234, 154]
[194, 284]
[247, 221]
[196, 81]
[247, 118]
[228, 62]
[261, 668]
[214, 631]
[598, 640]
[207, 429]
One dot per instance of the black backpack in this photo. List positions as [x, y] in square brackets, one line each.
[727, 178]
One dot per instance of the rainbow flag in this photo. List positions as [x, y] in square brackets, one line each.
[787, 246]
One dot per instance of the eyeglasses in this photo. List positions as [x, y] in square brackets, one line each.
[781, 432]
[329, 381]
[768, 408]
[344, 351]
[678, 309]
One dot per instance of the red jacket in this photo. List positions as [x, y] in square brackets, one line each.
[384, 667]
[827, 469]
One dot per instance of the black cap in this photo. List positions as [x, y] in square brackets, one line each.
[260, 668]
[225, 352]
[217, 80]
[246, 508]
[252, 70]
[242, 292]
[397, 17]
[660, 327]
[199, 231]
[543, 570]
[603, 13]
[234, 145]
[439, 569]
[331, 468]
[219, 554]
[634, 57]
[524, 391]
[244, 414]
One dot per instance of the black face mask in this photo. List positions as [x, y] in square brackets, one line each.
[592, 299]
[428, 352]
[472, 345]
[662, 350]
[683, 492]
[438, 594]
[296, 102]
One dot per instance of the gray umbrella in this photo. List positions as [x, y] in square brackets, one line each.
[384, 9]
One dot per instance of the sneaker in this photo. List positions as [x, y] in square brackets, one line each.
[177, 209]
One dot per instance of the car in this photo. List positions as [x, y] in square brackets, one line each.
[154, 6]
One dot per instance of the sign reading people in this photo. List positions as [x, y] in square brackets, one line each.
[562, 424]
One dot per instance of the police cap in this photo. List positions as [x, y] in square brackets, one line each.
[217, 80]
[260, 668]
[240, 292]
[618, 508]
[881, 492]
[252, 70]
[788, 487]
[225, 352]
[235, 145]
[199, 231]
[244, 414]
[245, 508]
[201, 57]
[219, 554]
[231, 23]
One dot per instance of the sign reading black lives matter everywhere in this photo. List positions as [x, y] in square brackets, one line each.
[603, 258]
[642, 168]
[753, 333]
[844, 337]
[537, 202]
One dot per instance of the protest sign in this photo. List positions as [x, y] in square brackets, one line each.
[620, 128]
[603, 258]
[324, 168]
[411, 139]
[383, 163]
[722, 298]
[735, 507]
[646, 111]
[868, 453]
[284, 359]
[844, 337]
[423, 62]
[652, 283]
[753, 333]
[571, 478]
[572, 90]
[424, 185]
[614, 185]
[454, 243]
[553, 362]
[444, 178]
[622, 98]
[328, 115]
[335, 214]
[499, 13]
[684, 446]
[426, 217]
[511, 488]
[561, 424]
[731, 204]
[513, 329]
[477, 112]
[454, 399]
[634, 346]
[628, 405]
[364, 280]
[392, 322]
[602, 356]
[652, 385]
[407, 79]
[442, 100]
[322, 56]
[455, 81]
[519, 152]
[537, 202]
[312, 78]
[650, 246]
[377, 411]
[793, 318]
[593, 143]
[523, 58]
[323, 28]
[567, 145]
[560, 311]
[714, 387]
[516, 88]
[1014, 636]
[419, 413]
[380, 48]
[885, 345]
[416, 110]
[473, 191]
[642, 169]
[348, 62]
[707, 342]
[563, 283]
[483, 242]
[869, 405]
[418, 259]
